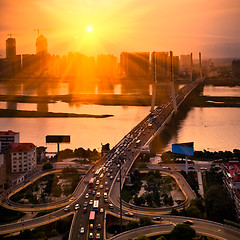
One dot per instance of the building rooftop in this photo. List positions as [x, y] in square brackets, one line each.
[234, 169]
[21, 147]
[6, 133]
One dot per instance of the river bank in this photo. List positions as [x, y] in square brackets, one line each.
[9, 113]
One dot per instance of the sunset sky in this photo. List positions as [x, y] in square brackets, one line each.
[112, 26]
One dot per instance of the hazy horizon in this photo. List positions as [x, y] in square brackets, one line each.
[183, 26]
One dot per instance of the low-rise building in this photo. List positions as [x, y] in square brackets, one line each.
[231, 180]
[21, 157]
[7, 137]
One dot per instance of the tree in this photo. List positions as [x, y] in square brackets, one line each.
[142, 237]
[193, 211]
[161, 238]
[47, 166]
[183, 231]
[132, 225]
[219, 205]
[166, 157]
[144, 221]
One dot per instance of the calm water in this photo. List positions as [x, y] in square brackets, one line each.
[209, 128]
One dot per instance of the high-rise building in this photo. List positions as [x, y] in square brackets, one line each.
[7, 137]
[11, 48]
[185, 64]
[42, 56]
[13, 61]
[135, 65]
[160, 61]
[41, 45]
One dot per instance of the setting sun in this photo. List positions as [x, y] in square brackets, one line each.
[89, 28]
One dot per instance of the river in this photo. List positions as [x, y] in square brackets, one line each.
[213, 129]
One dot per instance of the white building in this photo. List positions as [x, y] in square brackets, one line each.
[21, 157]
[7, 137]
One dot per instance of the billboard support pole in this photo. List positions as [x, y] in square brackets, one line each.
[186, 164]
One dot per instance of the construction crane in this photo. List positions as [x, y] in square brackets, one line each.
[11, 34]
[38, 30]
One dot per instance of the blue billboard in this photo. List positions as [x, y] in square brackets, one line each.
[183, 148]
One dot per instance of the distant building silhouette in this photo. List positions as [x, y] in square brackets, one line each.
[41, 45]
[185, 64]
[13, 62]
[11, 48]
[106, 66]
[42, 55]
[135, 65]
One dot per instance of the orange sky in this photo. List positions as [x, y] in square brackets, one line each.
[183, 26]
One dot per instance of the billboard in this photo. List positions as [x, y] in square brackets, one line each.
[183, 148]
[58, 139]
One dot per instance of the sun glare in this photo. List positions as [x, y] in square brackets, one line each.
[89, 28]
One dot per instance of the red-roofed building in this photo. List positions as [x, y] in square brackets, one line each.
[7, 137]
[21, 157]
[232, 182]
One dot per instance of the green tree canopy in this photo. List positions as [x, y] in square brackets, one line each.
[142, 237]
[183, 231]
[47, 166]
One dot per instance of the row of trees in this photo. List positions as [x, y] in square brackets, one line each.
[79, 153]
[168, 156]
[52, 187]
[157, 189]
[216, 205]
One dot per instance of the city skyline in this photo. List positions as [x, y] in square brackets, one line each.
[95, 27]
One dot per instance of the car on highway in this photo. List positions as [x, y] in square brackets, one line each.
[67, 208]
[111, 177]
[129, 214]
[90, 235]
[97, 182]
[99, 226]
[118, 179]
[98, 236]
[85, 204]
[105, 200]
[106, 183]
[189, 222]
[101, 186]
[82, 230]
[98, 194]
[93, 192]
[108, 174]
[84, 209]
[91, 202]
[105, 195]
[87, 196]
[203, 168]
[157, 219]
[91, 226]
[110, 206]
[101, 210]
[77, 206]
